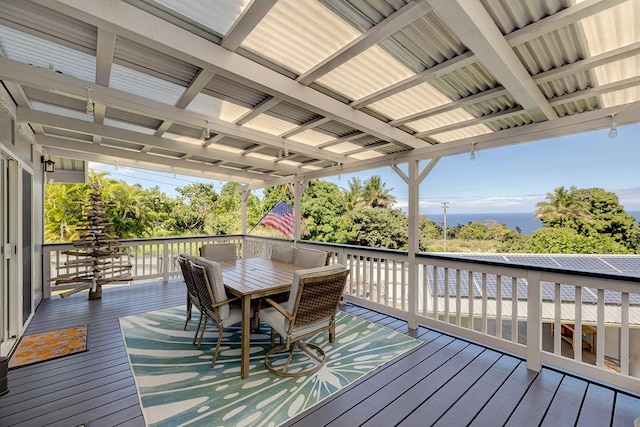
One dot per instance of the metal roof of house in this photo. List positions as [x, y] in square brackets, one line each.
[264, 91]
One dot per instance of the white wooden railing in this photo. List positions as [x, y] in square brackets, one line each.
[512, 307]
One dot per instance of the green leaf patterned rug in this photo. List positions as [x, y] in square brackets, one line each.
[176, 385]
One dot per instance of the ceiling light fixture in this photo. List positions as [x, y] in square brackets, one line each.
[286, 150]
[613, 130]
[472, 155]
[206, 132]
[91, 107]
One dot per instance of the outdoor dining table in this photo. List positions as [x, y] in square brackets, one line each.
[250, 279]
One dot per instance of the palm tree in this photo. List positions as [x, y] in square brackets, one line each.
[354, 195]
[376, 195]
[562, 208]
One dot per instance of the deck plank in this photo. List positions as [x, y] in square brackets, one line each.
[465, 382]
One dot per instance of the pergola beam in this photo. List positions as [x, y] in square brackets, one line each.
[479, 32]
[45, 79]
[136, 25]
[383, 30]
[251, 16]
[82, 127]
[82, 150]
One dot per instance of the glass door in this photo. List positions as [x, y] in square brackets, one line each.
[10, 290]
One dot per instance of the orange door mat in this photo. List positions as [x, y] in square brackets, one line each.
[49, 345]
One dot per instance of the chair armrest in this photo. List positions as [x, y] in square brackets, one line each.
[227, 301]
[278, 307]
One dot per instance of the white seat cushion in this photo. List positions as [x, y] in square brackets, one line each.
[310, 258]
[219, 252]
[283, 253]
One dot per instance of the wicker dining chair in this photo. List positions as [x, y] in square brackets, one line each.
[193, 299]
[213, 297]
[219, 252]
[310, 309]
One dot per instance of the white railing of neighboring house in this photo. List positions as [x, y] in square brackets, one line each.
[512, 306]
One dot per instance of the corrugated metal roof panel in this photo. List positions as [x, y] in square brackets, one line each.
[426, 42]
[372, 70]
[57, 100]
[228, 90]
[466, 132]
[413, 100]
[219, 15]
[49, 24]
[39, 52]
[512, 15]
[298, 34]
[311, 137]
[291, 113]
[270, 124]
[216, 107]
[335, 128]
[135, 82]
[440, 120]
[150, 61]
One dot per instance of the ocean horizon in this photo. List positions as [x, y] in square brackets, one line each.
[523, 220]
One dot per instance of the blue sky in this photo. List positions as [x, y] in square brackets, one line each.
[509, 179]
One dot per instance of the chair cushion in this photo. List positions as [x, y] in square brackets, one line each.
[310, 258]
[219, 252]
[217, 285]
[283, 253]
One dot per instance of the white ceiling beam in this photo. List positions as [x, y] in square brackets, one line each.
[195, 87]
[523, 35]
[50, 81]
[250, 17]
[105, 48]
[462, 102]
[574, 124]
[477, 30]
[265, 105]
[70, 149]
[342, 139]
[559, 20]
[305, 126]
[500, 115]
[139, 26]
[83, 127]
[587, 64]
[434, 72]
[383, 30]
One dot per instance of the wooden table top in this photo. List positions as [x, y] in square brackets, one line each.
[257, 277]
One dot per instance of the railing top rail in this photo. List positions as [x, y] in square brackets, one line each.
[544, 269]
[451, 260]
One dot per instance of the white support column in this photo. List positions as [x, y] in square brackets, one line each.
[245, 197]
[414, 222]
[413, 181]
[297, 188]
[534, 321]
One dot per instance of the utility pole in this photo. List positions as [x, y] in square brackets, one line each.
[445, 205]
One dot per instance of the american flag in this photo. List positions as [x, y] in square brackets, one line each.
[280, 218]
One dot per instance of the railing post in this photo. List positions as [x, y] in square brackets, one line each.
[165, 261]
[46, 272]
[534, 321]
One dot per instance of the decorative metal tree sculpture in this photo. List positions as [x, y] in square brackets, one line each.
[95, 260]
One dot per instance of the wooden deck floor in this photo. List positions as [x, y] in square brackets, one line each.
[445, 382]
